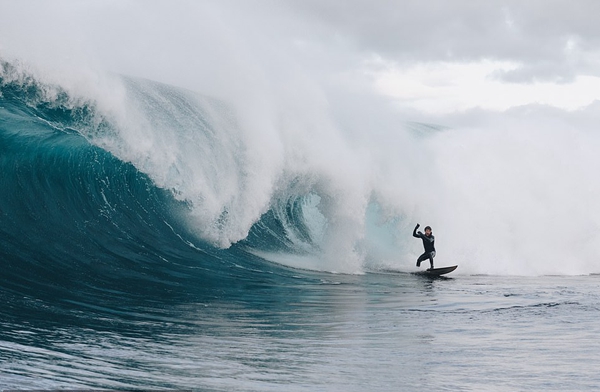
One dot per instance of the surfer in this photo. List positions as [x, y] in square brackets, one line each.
[428, 244]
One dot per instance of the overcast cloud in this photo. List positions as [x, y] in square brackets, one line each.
[551, 39]
[431, 56]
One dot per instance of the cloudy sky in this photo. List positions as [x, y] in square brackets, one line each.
[441, 56]
[434, 57]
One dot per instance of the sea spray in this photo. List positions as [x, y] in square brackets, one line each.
[510, 197]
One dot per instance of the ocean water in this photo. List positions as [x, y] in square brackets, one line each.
[312, 331]
[152, 237]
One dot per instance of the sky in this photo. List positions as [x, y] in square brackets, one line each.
[429, 57]
[448, 56]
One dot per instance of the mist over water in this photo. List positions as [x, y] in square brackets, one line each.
[243, 125]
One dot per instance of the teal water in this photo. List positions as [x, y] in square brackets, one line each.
[318, 332]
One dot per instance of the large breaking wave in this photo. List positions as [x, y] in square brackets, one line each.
[167, 179]
[145, 174]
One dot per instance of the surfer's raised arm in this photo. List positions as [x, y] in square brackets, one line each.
[415, 234]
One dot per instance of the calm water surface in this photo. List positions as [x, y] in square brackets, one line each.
[315, 332]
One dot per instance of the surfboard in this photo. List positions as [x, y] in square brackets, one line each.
[437, 271]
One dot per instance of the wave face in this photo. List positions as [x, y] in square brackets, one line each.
[72, 214]
[141, 177]
[166, 183]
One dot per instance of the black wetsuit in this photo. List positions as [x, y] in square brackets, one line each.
[428, 244]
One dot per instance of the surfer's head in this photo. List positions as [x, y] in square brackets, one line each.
[428, 230]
